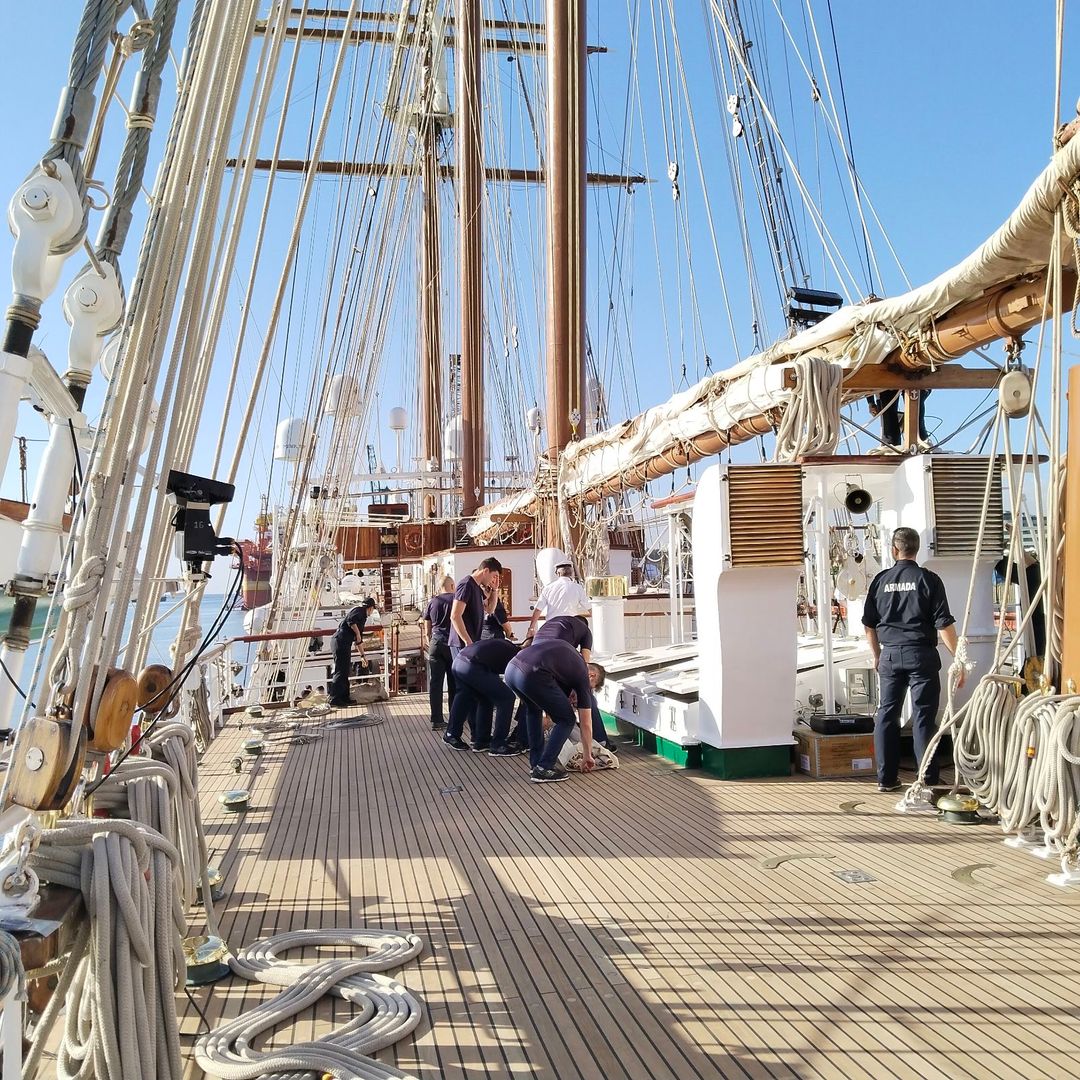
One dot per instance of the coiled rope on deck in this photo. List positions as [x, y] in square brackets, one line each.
[119, 982]
[387, 1010]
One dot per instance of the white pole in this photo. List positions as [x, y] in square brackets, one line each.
[824, 591]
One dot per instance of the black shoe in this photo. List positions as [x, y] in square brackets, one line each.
[438, 725]
[455, 743]
[548, 776]
[347, 704]
[481, 747]
[501, 751]
[610, 747]
[889, 787]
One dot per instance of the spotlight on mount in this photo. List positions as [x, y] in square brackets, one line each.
[858, 500]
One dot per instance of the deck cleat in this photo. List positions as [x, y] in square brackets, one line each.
[253, 746]
[918, 799]
[959, 809]
[206, 959]
[217, 883]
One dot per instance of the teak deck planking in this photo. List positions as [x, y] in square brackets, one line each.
[623, 924]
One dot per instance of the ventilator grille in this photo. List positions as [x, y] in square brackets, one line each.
[765, 515]
[959, 487]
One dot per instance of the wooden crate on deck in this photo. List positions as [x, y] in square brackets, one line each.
[834, 755]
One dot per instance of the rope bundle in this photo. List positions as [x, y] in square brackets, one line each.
[387, 1010]
[811, 422]
[119, 980]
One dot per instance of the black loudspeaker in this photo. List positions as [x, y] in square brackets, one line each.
[858, 500]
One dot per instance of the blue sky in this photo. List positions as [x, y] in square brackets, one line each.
[950, 108]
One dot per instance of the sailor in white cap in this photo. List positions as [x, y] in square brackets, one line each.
[561, 596]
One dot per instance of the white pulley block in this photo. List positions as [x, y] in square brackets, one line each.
[1014, 392]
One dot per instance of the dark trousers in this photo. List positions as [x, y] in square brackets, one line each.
[890, 418]
[543, 695]
[903, 669]
[599, 732]
[439, 671]
[520, 734]
[339, 683]
[480, 695]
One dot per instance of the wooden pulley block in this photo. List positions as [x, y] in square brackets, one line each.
[111, 724]
[153, 679]
[38, 779]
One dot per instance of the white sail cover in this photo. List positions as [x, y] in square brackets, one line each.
[855, 335]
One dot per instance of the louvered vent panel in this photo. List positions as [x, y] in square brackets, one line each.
[959, 485]
[765, 515]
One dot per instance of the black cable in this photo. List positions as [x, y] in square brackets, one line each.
[195, 1004]
[176, 683]
[18, 689]
[78, 457]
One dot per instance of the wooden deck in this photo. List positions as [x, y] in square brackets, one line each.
[631, 924]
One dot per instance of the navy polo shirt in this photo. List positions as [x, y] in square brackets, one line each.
[438, 613]
[906, 605]
[473, 616]
[563, 662]
[357, 617]
[493, 623]
[572, 629]
[492, 653]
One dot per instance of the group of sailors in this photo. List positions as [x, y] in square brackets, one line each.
[472, 652]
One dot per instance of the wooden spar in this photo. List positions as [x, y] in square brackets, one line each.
[470, 167]
[388, 37]
[566, 222]
[1004, 313]
[1070, 645]
[515, 25]
[430, 309]
[383, 169]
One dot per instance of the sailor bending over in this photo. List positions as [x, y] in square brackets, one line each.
[480, 694]
[551, 677]
[349, 633]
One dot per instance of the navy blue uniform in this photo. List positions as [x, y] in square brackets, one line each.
[344, 639]
[439, 660]
[493, 623]
[907, 606]
[481, 693]
[545, 675]
[473, 616]
[572, 629]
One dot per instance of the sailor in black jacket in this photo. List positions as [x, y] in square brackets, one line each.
[905, 610]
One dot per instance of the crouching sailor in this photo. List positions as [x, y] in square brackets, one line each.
[551, 677]
[481, 693]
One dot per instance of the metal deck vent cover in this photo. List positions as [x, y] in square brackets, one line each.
[959, 486]
[765, 515]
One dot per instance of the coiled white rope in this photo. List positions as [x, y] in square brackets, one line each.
[119, 982]
[811, 422]
[387, 1010]
[1058, 783]
[12, 975]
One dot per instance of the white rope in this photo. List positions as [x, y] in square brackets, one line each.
[121, 1015]
[811, 422]
[387, 1010]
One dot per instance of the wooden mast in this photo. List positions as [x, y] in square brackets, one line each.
[566, 222]
[430, 312]
[470, 169]
[1070, 645]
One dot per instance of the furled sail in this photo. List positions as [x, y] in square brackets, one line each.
[1001, 287]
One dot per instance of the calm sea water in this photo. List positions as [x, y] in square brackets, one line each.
[162, 636]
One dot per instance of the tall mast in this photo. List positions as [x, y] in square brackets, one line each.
[566, 221]
[470, 169]
[430, 125]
